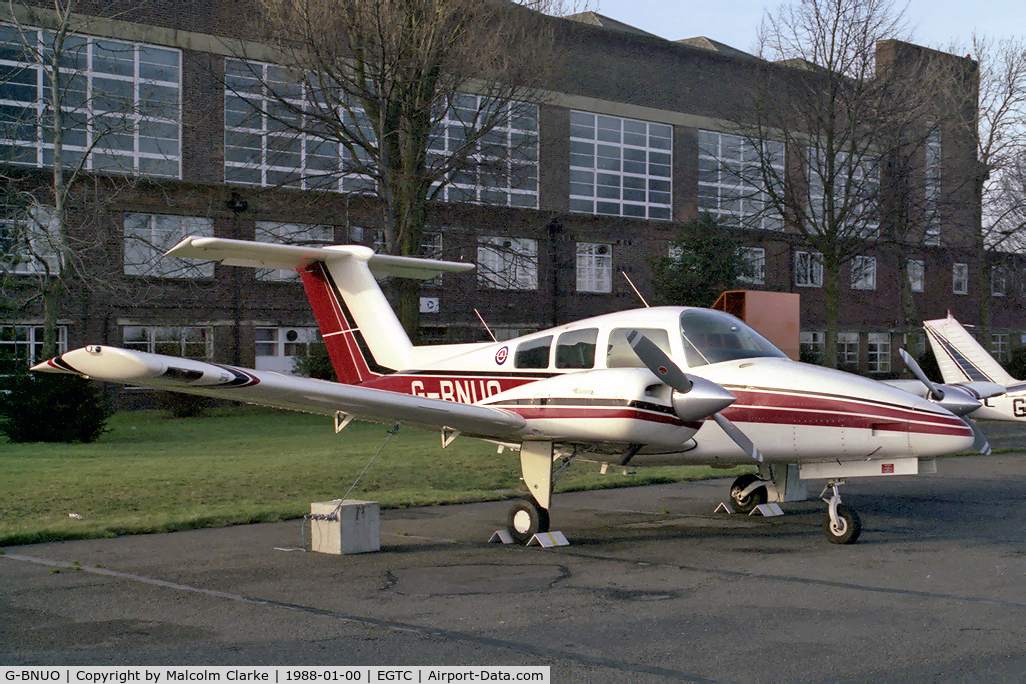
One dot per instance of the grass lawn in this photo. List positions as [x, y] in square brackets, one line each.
[153, 473]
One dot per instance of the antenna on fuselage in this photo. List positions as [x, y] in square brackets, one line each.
[485, 326]
[631, 283]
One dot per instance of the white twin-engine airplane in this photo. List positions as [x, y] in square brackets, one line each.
[667, 385]
[965, 363]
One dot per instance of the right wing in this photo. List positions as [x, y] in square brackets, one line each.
[265, 388]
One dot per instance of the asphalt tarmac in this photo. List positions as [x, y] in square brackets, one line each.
[654, 587]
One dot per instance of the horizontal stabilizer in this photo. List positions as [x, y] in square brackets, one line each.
[271, 255]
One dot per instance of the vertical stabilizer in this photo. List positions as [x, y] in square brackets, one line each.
[960, 357]
[364, 337]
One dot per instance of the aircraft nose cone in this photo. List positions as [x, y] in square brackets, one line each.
[702, 400]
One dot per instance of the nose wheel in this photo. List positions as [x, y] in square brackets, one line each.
[842, 524]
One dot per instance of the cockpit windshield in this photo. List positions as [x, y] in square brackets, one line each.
[713, 336]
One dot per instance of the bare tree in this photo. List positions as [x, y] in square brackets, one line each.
[86, 124]
[1002, 151]
[826, 118]
[416, 101]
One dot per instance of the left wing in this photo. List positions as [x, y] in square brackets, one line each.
[267, 388]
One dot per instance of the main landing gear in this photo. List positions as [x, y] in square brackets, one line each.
[841, 524]
[526, 519]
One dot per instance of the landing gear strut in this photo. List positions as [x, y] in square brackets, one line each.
[842, 524]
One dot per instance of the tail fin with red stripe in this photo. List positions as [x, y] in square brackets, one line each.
[364, 337]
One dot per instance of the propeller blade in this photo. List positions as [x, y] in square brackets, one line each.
[740, 438]
[656, 360]
[981, 444]
[935, 393]
[958, 400]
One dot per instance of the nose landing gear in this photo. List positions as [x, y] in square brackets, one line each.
[842, 524]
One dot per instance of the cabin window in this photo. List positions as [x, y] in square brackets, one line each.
[576, 349]
[714, 336]
[533, 353]
[619, 353]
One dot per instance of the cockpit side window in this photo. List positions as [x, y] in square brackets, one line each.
[576, 349]
[714, 336]
[619, 353]
[533, 353]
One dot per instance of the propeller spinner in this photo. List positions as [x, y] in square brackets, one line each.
[694, 398]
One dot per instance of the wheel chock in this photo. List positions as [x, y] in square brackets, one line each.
[548, 539]
[768, 510]
[502, 536]
[725, 507]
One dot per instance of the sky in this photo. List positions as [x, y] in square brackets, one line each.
[934, 23]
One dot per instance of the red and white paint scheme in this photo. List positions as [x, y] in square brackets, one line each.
[666, 385]
[966, 365]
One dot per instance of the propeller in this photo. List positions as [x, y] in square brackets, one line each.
[955, 399]
[694, 398]
[959, 401]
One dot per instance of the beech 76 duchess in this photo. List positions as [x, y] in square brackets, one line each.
[667, 385]
[965, 363]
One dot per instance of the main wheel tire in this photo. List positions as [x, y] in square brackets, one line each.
[526, 519]
[748, 503]
[847, 529]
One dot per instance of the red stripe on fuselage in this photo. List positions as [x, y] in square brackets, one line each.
[753, 406]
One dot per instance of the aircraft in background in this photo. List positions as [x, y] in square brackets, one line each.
[965, 363]
[665, 385]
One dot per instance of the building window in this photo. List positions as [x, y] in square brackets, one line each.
[960, 278]
[755, 260]
[191, 342]
[620, 167]
[808, 269]
[277, 348]
[149, 236]
[811, 346]
[261, 144]
[879, 352]
[916, 274]
[848, 350]
[263, 110]
[998, 281]
[863, 273]
[27, 242]
[594, 267]
[731, 184]
[23, 345]
[999, 346]
[932, 187]
[502, 169]
[855, 189]
[121, 103]
[302, 234]
[507, 263]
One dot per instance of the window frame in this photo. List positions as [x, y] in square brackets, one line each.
[960, 278]
[620, 166]
[505, 263]
[594, 267]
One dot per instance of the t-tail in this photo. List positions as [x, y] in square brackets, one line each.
[961, 358]
[365, 339]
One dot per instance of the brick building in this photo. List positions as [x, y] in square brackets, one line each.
[628, 145]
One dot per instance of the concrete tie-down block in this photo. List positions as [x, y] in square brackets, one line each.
[343, 527]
